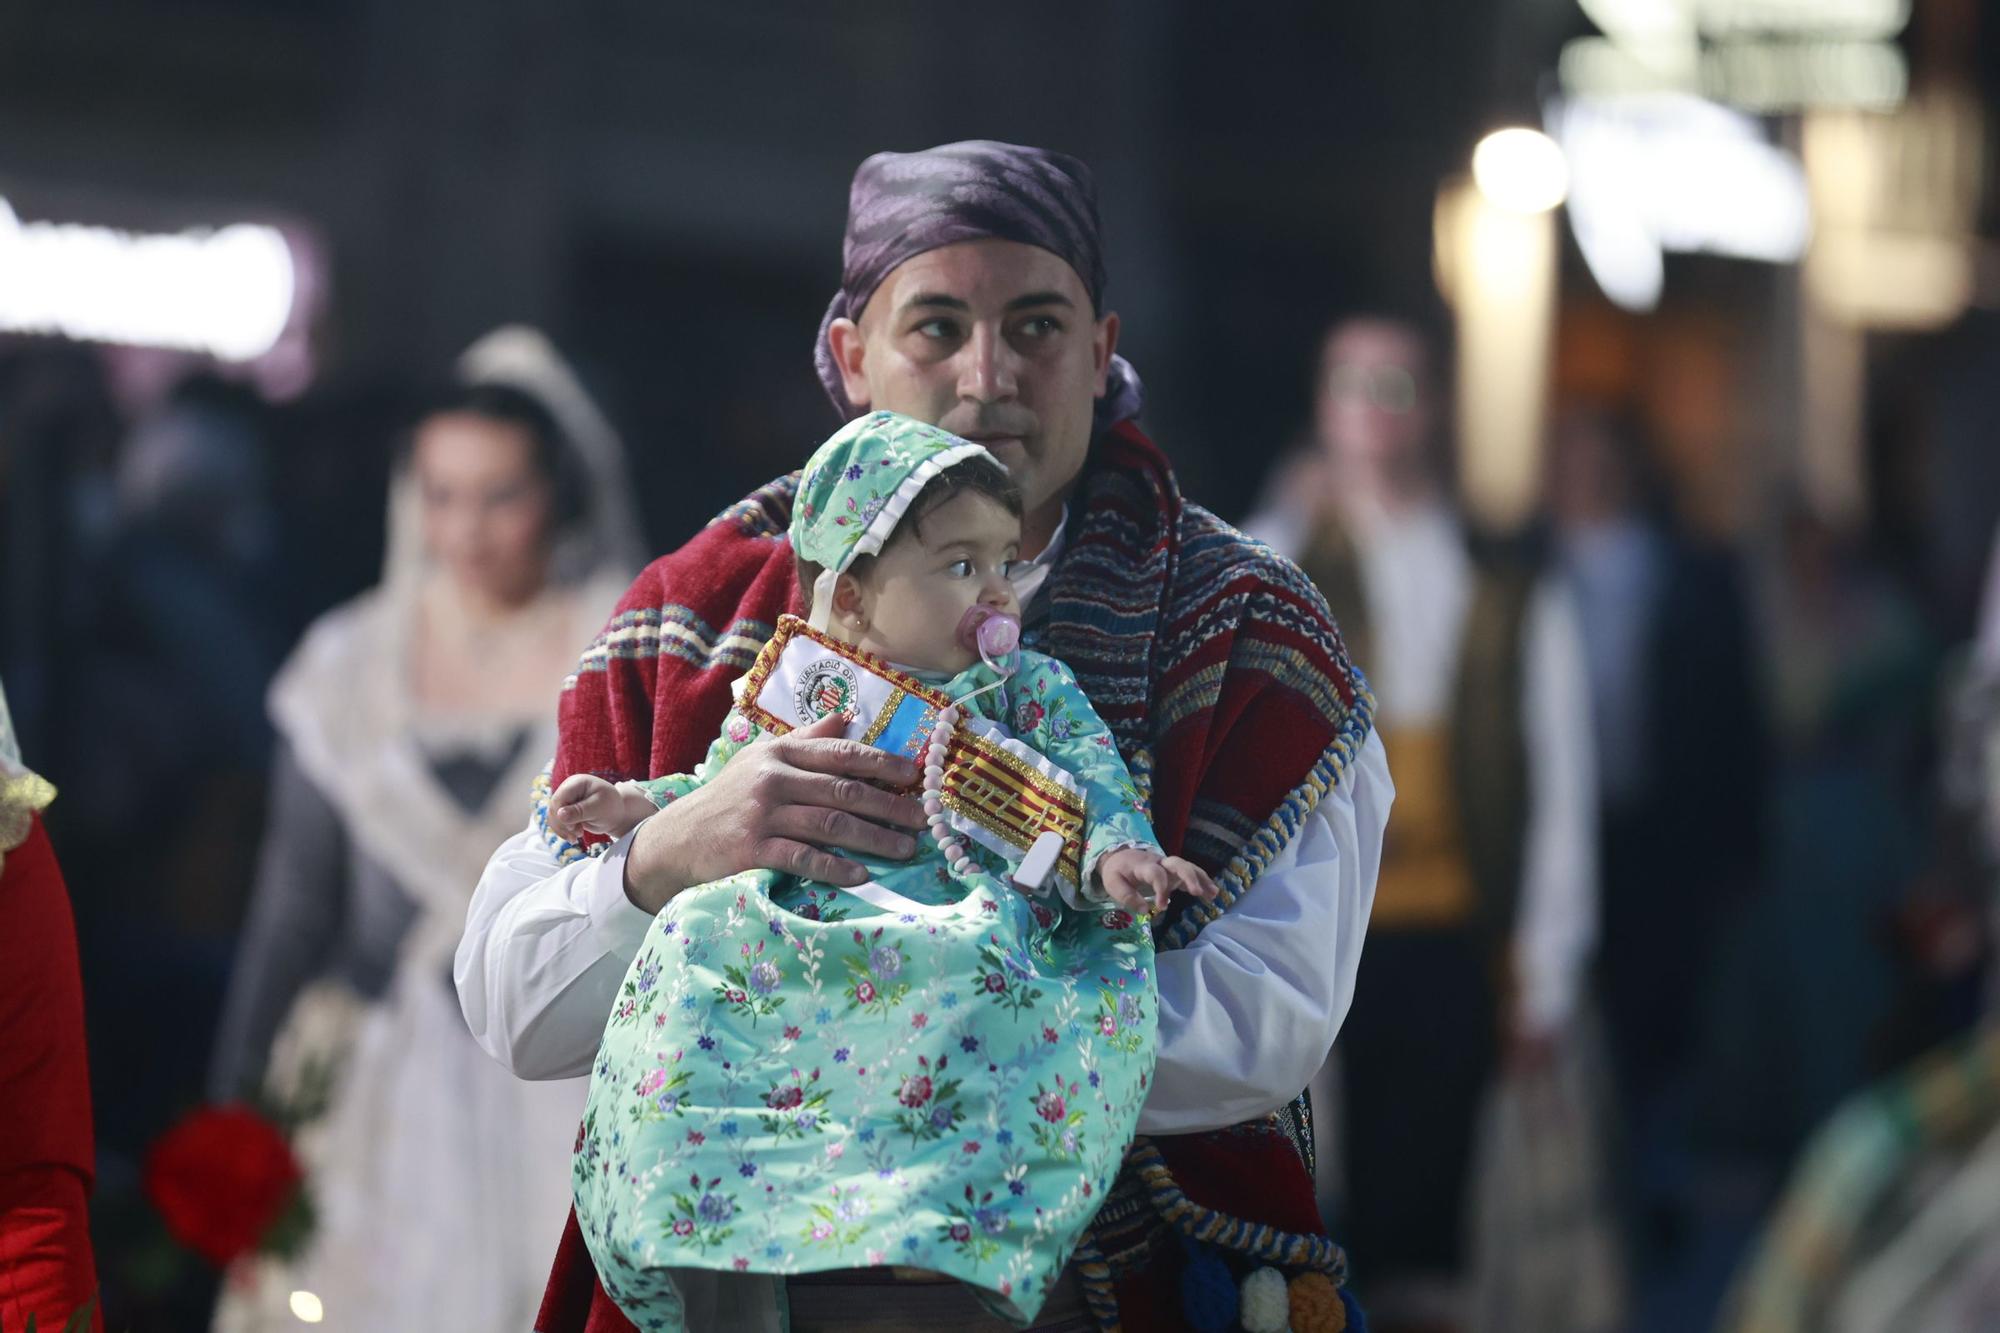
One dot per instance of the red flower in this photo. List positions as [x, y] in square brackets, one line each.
[916, 1090]
[221, 1178]
[792, 1034]
[784, 1099]
[971, 1147]
[735, 996]
[864, 991]
[1049, 1106]
[919, 1020]
[683, 1227]
[960, 1232]
[994, 982]
[1028, 716]
[1116, 919]
[1049, 1035]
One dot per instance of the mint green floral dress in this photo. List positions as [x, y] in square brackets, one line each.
[796, 1078]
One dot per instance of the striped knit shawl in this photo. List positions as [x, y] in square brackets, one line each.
[1213, 660]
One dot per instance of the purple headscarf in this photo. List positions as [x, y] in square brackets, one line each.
[903, 204]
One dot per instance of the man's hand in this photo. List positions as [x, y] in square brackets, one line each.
[1141, 881]
[777, 805]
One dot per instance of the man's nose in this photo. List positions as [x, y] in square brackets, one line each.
[988, 364]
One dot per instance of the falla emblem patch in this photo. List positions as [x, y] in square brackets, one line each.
[827, 686]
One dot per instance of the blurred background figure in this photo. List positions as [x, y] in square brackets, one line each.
[1485, 911]
[411, 724]
[1891, 1214]
[1682, 770]
[46, 1158]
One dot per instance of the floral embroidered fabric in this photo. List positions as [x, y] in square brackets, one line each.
[933, 1070]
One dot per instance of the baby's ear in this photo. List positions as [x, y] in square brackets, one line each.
[846, 594]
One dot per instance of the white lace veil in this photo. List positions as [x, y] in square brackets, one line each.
[604, 537]
[345, 700]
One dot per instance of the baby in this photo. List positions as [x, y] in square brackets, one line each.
[921, 605]
[941, 1067]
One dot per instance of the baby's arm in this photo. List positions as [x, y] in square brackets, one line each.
[1122, 858]
[588, 803]
[1140, 879]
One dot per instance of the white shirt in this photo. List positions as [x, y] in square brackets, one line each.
[1248, 1010]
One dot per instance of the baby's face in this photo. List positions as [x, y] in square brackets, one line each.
[931, 574]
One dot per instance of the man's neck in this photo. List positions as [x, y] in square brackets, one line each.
[1038, 527]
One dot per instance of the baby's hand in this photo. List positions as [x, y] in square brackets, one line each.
[1141, 880]
[585, 803]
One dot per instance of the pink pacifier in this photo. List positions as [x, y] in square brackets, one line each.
[993, 634]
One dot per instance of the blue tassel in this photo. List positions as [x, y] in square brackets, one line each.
[1208, 1290]
[1357, 1322]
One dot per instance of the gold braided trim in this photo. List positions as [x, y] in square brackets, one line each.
[1030, 802]
[22, 797]
[883, 716]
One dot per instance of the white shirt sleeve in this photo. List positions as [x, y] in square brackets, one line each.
[1555, 930]
[1249, 1009]
[545, 948]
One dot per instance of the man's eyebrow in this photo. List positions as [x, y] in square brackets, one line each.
[1040, 298]
[943, 301]
[938, 300]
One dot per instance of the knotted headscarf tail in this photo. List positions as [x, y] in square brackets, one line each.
[904, 204]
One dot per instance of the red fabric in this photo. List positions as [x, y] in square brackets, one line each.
[1151, 601]
[574, 1301]
[1212, 1170]
[45, 1137]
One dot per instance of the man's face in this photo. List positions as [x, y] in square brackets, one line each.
[1373, 404]
[995, 341]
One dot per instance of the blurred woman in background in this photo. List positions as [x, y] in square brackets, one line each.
[412, 722]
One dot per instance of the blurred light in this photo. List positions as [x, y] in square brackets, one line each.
[1520, 170]
[1897, 200]
[1761, 55]
[226, 292]
[1668, 173]
[1497, 268]
[307, 1307]
[1818, 18]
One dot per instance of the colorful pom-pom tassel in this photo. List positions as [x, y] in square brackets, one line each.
[1266, 1306]
[1356, 1321]
[1317, 1306]
[1208, 1292]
